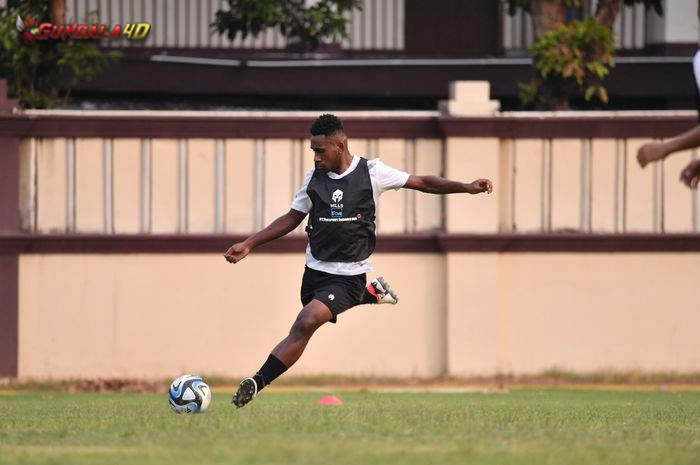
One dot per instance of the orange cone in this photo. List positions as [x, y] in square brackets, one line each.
[330, 400]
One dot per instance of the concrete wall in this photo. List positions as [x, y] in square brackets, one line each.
[159, 315]
[119, 311]
[524, 313]
[459, 314]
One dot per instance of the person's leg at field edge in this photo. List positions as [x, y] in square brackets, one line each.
[287, 352]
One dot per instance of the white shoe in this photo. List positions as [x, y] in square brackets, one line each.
[380, 289]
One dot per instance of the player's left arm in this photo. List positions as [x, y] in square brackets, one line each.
[440, 185]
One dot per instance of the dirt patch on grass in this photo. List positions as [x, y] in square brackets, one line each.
[116, 385]
[551, 378]
[85, 385]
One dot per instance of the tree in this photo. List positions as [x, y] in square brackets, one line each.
[42, 74]
[570, 58]
[308, 26]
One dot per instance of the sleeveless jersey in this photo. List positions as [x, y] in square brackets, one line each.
[341, 221]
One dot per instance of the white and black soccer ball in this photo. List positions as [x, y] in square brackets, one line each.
[189, 394]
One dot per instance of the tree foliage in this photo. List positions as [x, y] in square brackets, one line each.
[306, 25]
[43, 74]
[572, 58]
[525, 5]
[515, 5]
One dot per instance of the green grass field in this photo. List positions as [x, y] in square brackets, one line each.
[528, 426]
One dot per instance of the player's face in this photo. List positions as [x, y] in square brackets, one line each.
[327, 152]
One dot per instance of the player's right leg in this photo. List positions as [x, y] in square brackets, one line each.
[312, 316]
[286, 353]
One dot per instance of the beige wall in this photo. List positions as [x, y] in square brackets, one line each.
[469, 159]
[525, 313]
[126, 162]
[461, 314]
[89, 191]
[159, 315]
[50, 184]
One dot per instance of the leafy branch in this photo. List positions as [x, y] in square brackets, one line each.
[45, 72]
[307, 25]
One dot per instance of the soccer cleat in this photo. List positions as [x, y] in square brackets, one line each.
[245, 393]
[380, 289]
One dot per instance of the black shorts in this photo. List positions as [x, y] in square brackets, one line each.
[338, 292]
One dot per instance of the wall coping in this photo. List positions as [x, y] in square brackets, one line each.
[216, 126]
[390, 243]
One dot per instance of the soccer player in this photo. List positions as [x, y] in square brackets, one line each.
[340, 196]
[655, 151]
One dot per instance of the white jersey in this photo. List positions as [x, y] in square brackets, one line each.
[382, 178]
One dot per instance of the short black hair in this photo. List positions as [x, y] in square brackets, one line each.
[327, 125]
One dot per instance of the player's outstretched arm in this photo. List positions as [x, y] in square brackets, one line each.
[440, 185]
[278, 228]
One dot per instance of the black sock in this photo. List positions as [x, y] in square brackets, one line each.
[270, 371]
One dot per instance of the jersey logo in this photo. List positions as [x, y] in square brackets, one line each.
[337, 196]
